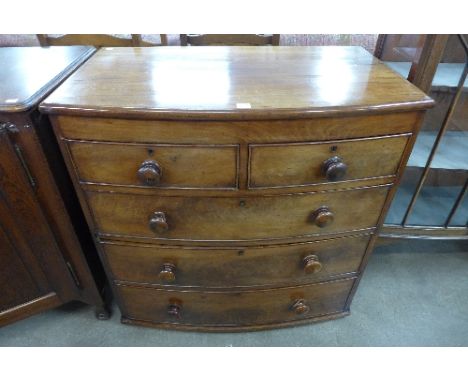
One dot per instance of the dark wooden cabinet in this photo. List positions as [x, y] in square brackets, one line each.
[46, 253]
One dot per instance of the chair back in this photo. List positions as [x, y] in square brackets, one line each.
[97, 40]
[229, 39]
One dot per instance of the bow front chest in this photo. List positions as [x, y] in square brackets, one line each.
[235, 188]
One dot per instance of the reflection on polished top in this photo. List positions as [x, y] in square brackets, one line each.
[27, 74]
[216, 82]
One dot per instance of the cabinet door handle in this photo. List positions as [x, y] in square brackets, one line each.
[25, 166]
[5, 129]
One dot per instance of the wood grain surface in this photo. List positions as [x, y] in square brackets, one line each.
[189, 166]
[207, 267]
[231, 309]
[28, 74]
[234, 82]
[234, 219]
[298, 164]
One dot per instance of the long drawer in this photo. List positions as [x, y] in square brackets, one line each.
[235, 267]
[156, 165]
[227, 309]
[306, 163]
[237, 219]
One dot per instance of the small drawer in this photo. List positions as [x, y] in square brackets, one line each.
[235, 267]
[236, 218]
[301, 164]
[156, 165]
[230, 309]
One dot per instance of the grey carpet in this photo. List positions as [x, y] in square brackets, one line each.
[414, 293]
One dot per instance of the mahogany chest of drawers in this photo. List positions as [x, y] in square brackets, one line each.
[235, 188]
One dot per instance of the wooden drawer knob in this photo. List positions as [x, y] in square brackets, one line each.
[173, 310]
[300, 307]
[158, 222]
[322, 216]
[312, 264]
[334, 169]
[150, 173]
[167, 273]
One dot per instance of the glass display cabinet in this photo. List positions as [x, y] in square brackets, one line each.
[431, 201]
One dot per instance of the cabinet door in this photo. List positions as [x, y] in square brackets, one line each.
[16, 282]
[22, 242]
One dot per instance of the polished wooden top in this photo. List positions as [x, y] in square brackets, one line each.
[28, 74]
[234, 82]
